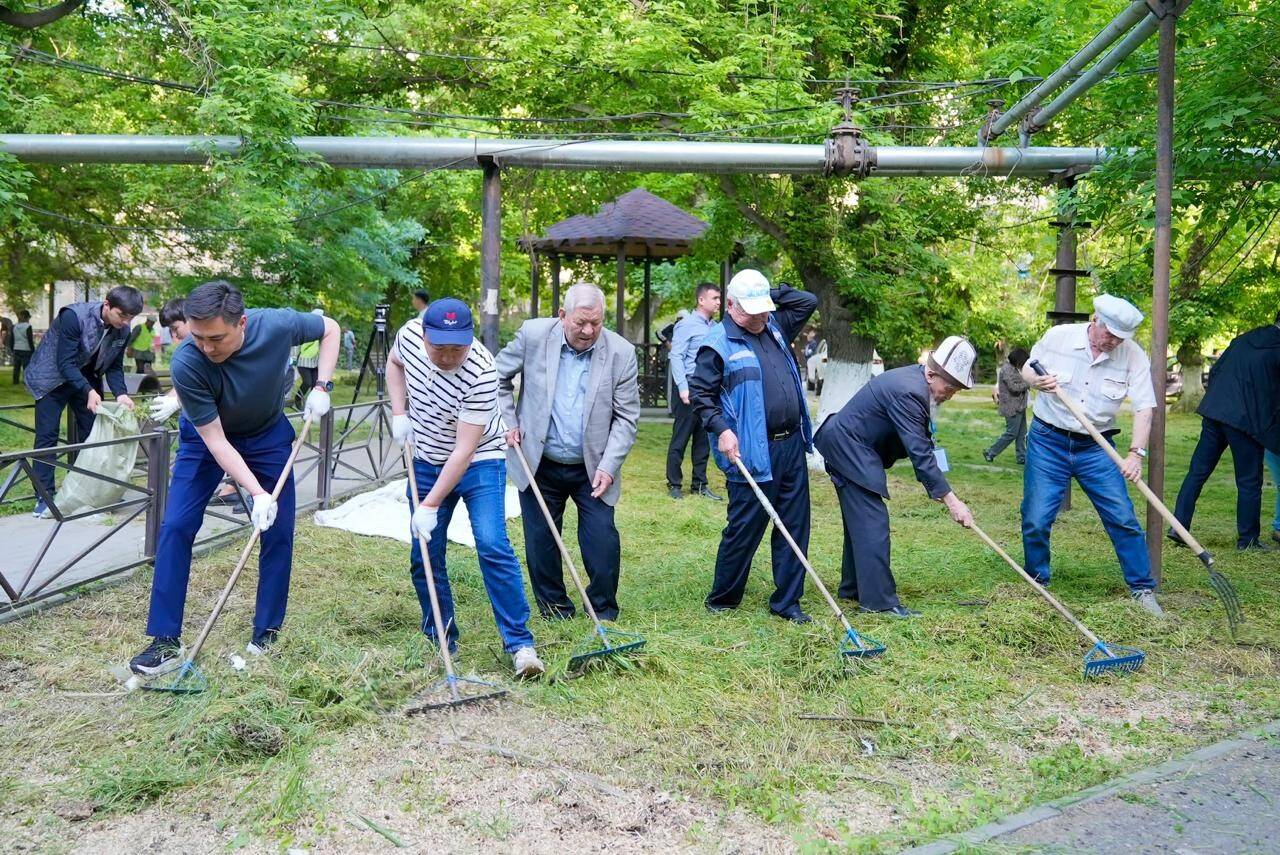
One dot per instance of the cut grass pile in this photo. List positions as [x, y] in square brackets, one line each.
[983, 707]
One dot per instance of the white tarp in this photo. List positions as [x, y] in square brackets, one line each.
[384, 512]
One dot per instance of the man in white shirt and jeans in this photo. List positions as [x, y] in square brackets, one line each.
[459, 452]
[1097, 364]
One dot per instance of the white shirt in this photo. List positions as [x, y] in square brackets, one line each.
[1099, 385]
[439, 400]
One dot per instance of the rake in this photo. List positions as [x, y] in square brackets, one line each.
[452, 691]
[1102, 658]
[604, 642]
[852, 645]
[187, 679]
[1220, 584]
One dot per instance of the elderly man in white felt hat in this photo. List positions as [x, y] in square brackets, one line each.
[1097, 364]
[890, 419]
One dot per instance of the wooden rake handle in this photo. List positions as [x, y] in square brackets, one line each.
[248, 547]
[555, 533]
[442, 636]
[1146, 491]
[1040, 589]
[777, 523]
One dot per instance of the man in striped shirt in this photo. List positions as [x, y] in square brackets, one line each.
[455, 429]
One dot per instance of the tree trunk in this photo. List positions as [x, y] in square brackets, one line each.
[1191, 358]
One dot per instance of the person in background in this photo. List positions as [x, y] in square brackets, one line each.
[349, 348]
[24, 344]
[1273, 464]
[685, 341]
[140, 343]
[83, 348]
[6, 338]
[1241, 411]
[308, 360]
[1010, 396]
[420, 300]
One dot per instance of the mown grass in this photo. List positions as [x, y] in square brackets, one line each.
[986, 708]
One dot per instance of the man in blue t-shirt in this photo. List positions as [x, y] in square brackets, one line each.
[231, 374]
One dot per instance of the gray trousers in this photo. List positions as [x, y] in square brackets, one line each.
[1015, 430]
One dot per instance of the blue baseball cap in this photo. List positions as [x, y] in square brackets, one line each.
[448, 321]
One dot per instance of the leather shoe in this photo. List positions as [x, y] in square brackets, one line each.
[705, 492]
[1256, 546]
[896, 611]
[794, 614]
[1275, 535]
[1177, 541]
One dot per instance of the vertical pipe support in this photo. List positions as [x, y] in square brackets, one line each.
[535, 284]
[555, 283]
[324, 472]
[648, 294]
[490, 253]
[157, 452]
[620, 298]
[1165, 74]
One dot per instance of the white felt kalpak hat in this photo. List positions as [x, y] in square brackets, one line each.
[955, 358]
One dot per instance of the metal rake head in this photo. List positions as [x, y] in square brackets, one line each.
[855, 646]
[1227, 594]
[603, 644]
[1105, 658]
[186, 679]
[454, 691]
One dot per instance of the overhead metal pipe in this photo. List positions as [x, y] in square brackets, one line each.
[1101, 69]
[603, 155]
[1118, 27]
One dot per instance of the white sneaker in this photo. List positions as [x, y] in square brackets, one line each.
[527, 664]
[1148, 601]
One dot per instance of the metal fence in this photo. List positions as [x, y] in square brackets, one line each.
[349, 450]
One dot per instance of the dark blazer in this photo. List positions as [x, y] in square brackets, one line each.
[887, 421]
[1244, 386]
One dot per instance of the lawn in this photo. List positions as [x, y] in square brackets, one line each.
[978, 709]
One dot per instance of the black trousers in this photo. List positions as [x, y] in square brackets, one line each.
[20, 360]
[686, 427]
[49, 424]
[865, 575]
[598, 541]
[306, 380]
[1247, 454]
[789, 492]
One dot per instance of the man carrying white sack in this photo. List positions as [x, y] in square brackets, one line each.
[454, 427]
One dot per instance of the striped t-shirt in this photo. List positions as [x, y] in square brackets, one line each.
[438, 400]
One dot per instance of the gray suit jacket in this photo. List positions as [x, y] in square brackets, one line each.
[611, 410]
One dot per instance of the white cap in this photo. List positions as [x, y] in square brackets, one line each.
[955, 358]
[1120, 317]
[750, 290]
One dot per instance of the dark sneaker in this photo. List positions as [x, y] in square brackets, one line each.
[705, 492]
[262, 642]
[162, 655]
[674, 492]
[794, 614]
[989, 457]
[1255, 546]
[896, 611]
[1175, 540]
[1275, 534]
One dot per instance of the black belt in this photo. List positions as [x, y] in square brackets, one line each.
[783, 434]
[1070, 434]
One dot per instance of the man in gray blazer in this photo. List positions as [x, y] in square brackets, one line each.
[576, 421]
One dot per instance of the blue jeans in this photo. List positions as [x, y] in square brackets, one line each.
[1052, 461]
[483, 488]
[195, 476]
[1273, 463]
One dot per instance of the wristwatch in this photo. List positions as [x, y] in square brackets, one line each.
[1141, 452]
[326, 386]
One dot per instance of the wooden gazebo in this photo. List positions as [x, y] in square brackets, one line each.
[636, 225]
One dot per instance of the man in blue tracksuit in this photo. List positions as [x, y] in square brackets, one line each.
[84, 346]
[232, 374]
[747, 392]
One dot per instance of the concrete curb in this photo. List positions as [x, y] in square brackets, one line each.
[1049, 810]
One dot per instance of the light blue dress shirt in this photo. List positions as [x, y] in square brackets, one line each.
[685, 340]
[564, 438]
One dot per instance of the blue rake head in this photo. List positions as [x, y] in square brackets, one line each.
[186, 679]
[855, 646]
[1105, 658]
[603, 644]
[454, 691]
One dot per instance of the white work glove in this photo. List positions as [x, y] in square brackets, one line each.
[317, 404]
[264, 510]
[164, 406]
[402, 430]
[423, 522]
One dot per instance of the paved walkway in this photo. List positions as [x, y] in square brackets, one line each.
[1221, 799]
